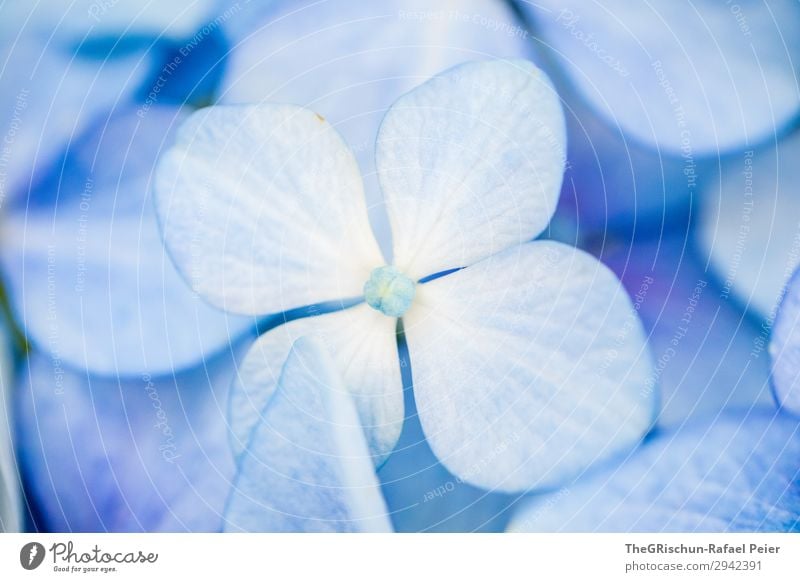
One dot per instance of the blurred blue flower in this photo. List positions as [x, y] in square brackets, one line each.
[689, 77]
[262, 210]
[146, 453]
[87, 273]
[737, 472]
[785, 349]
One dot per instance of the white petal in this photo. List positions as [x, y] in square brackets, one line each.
[363, 345]
[749, 225]
[528, 367]
[350, 60]
[687, 75]
[307, 466]
[785, 349]
[10, 499]
[262, 208]
[470, 163]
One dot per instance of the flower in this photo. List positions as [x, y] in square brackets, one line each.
[785, 349]
[88, 277]
[350, 60]
[694, 78]
[737, 472]
[308, 467]
[527, 361]
[138, 453]
[748, 227]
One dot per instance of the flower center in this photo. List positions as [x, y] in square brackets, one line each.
[389, 291]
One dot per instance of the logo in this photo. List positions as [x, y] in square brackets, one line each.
[31, 555]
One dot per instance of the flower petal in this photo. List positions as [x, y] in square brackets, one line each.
[737, 474]
[785, 349]
[144, 454]
[307, 466]
[50, 97]
[705, 347]
[350, 60]
[78, 19]
[262, 208]
[10, 498]
[364, 348]
[470, 163]
[688, 76]
[528, 367]
[89, 278]
[749, 227]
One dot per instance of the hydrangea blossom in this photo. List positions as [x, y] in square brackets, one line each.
[692, 77]
[749, 228]
[785, 349]
[737, 473]
[527, 361]
[349, 61]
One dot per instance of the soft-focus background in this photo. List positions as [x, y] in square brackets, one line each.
[682, 176]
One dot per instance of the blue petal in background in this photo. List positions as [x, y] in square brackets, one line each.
[143, 454]
[737, 472]
[89, 278]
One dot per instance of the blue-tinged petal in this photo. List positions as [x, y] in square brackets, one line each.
[78, 19]
[262, 209]
[689, 76]
[737, 473]
[363, 347]
[785, 349]
[350, 60]
[89, 279]
[307, 466]
[10, 499]
[528, 367]
[749, 226]
[708, 354]
[143, 454]
[470, 163]
[49, 98]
